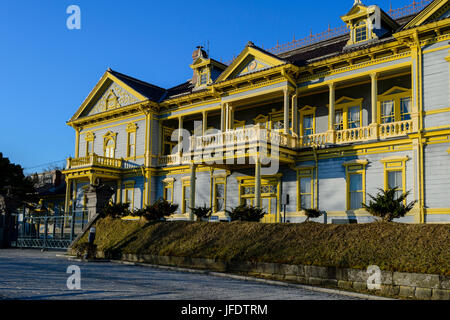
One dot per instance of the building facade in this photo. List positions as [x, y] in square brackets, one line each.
[328, 124]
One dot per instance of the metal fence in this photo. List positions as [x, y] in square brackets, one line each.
[47, 231]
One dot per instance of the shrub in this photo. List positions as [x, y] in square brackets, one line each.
[157, 211]
[246, 213]
[202, 213]
[85, 250]
[118, 210]
[387, 207]
[312, 213]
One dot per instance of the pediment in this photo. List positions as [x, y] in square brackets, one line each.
[437, 9]
[357, 11]
[395, 90]
[110, 93]
[251, 59]
[346, 100]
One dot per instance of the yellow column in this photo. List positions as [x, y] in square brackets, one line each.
[68, 193]
[295, 124]
[331, 113]
[286, 110]
[205, 123]
[77, 143]
[180, 135]
[374, 99]
[258, 182]
[222, 118]
[192, 194]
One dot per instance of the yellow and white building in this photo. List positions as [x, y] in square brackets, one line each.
[337, 119]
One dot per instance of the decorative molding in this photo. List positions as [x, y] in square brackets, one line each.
[356, 162]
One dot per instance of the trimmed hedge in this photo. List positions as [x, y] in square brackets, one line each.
[391, 246]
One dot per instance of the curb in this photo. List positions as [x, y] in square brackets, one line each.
[253, 279]
[236, 277]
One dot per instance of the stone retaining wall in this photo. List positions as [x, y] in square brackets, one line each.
[394, 284]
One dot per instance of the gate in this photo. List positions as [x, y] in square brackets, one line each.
[48, 231]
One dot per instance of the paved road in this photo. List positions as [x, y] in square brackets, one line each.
[33, 275]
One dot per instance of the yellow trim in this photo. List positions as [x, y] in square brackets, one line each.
[274, 180]
[355, 167]
[426, 13]
[185, 182]
[131, 129]
[306, 111]
[396, 98]
[308, 173]
[436, 111]
[395, 164]
[437, 211]
[345, 108]
[436, 49]
[128, 186]
[243, 56]
[106, 76]
[216, 180]
[168, 184]
[109, 136]
[89, 140]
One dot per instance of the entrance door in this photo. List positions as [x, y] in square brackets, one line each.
[269, 200]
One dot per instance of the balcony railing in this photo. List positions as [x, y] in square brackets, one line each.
[395, 129]
[235, 139]
[232, 139]
[95, 160]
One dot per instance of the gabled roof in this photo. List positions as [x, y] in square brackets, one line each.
[250, 52]
[150, 91]
[427, 13]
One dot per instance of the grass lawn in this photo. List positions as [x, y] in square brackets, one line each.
[391, 246]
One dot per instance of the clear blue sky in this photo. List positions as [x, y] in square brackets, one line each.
[47, 70]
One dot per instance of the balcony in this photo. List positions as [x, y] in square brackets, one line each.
[241, 142]
[236, 142]
[95, 160]
[383, 131]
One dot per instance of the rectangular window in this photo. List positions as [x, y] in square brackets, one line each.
[308, 125]
[168, 192]
[305, 189]
[89, 148]
[128, 195]
[354, 119]
[361, 32]
[339, 120]
[131, 144]
[305, 193]
[356, 191]
[395, 180]
[219, 196]
[186, 198]
[405, 109]
[387, 111]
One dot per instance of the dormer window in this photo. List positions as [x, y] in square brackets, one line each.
[360, 31]
[203, 79]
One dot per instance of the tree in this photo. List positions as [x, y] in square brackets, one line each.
[387, 206]
[115, 211]
[157, 211]
[202, 212]
[246, 213]
[16, 190]
[312, 213]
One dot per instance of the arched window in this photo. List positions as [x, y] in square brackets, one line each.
[109, 144]
[109, 149]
